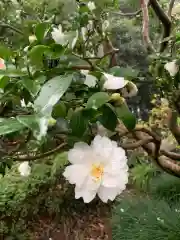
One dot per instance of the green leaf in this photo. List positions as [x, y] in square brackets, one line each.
[32, 86]
[4, 81]
[29, 121]
[36, 54]
[126, 72]
[51, 92]
[97, 100]
[125, 115]
[108, 118]
[41, 30]
[13, 73]
[59, 110]
[55, 51]
[78, 123]
[5, 52]
[58, 163]
[9, 125]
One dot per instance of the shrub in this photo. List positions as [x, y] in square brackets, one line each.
[144, 218]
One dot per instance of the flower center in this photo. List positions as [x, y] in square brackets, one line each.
[97, 171]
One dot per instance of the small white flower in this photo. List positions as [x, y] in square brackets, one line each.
[91, 6]
[113, 82]
[58, 36]
[24, 169]
[32, 38]
[100, 168]
[172, 68]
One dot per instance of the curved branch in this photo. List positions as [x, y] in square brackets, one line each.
[39, 156]
[131, 146]
[165, 20]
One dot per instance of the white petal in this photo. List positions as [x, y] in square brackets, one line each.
[117, 181]
[24, 169]
[91, 6]
[113, 83]
[76, 174]
[172, 68]
[90, 81]
[87, 195]
[106, 194]
[80, 153]
[102, 146]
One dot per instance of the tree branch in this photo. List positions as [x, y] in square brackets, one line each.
[165, 20]
[171, 5]
[5, 25]
[145, 28]
[173, 125]
[39, 156]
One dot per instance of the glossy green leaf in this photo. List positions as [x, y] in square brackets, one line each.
[97, 100]
[36, 54]
[125, 115]
[78, 123]
[41, 30]
[32, 86]
[9, 125]
[59, 110]
[51, 92]
[108, 118]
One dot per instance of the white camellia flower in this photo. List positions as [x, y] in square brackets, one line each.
[113, 82]
[24, 169]
[172, 68]
[58, 35]
[64, 38]
[91, 6]
[100, 168]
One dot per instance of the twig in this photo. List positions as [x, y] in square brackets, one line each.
[131, 146]
[5, 25]
[133, 14]
[39, 156]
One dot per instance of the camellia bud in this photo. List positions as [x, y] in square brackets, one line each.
[32, 38]
[51, 122]
[115, 96]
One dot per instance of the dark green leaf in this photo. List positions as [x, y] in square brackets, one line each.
[4, 81]
[125, 115]
[9, 125]
[5, 52]
[36, 54]
[41, 30]
[108, 118]
[78, 123]
[59, 110]
[97, 100]
[29, 121]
